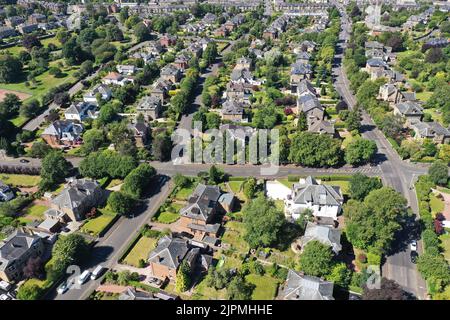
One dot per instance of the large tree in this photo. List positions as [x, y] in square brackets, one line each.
[239, 289]
[263, 222]
[360, 151]
[138, 180]
[54, 169]
[389, 290]
[316, 259]
[374, 222]
[313, 150]
[438, 172]
[10, 68]
[121, 203]
[360, 186]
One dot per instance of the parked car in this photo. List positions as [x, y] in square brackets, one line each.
[97, 272]
[414, 255]
[84, 277]
[24, 161]
[413, 245]
[63, 288]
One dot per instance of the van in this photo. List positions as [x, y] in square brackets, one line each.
[97, 272]
[84, 276]
[5, 286]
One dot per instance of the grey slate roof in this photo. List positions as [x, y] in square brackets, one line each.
[303, 287]
[324, 234]
[322, 126]
[231, 107]
[202, 202]
[300, 68]
[409, 108]
[75, 193]
[305, 87]
[312, 192]
[169, 252]
[309, 102]
[15, 246]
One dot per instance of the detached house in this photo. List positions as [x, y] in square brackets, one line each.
[80, 111]
[15, 251]
[412, 112]
[299, 71]
[150, 107]
[126, 69]
[299, 286]
[232, 110]
[323, 200]
[171, 73]
[324, 234]
[431, 130]
[197, 217]
[102, 90]
[167, 40]
[78, 197]
[63, 132]
[140, 132]
[161, 89]
[311, 107]
[116, 79]
[6, 192]
[239, 92]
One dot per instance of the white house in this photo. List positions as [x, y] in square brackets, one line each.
[80, 111]
[102, 89]
[323, 200]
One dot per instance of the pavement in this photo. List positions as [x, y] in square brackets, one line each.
[396, 173]
[111, 246]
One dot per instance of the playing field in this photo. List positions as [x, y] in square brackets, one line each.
[21, 95]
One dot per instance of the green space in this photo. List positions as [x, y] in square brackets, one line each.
[167, 217]
[20, 180]
[233, 235]
[341, 183]
[436, 204]
[265, 286]
[96, 225]
[184, 193]
[140, 251]
[286, 182]
[235, 186]
[203, 291]
[445, 245]
[114, 183]
[32, 213]
[424, 95]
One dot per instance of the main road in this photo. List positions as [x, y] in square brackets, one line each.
[396, 173]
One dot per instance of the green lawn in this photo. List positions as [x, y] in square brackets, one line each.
[20, 180]
[184, 193]
[424, 95]
[235, 186]
[32, 213]
[286, 182]
[140, 251]
[233, 235]
[114, 183]
[341, 183]
[437, 205]
[205, 292]
[266, 286]
[167, 217]
[445, 244]
[98, 224]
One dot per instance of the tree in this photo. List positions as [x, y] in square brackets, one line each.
[93, 139]
[121, 203]
[316, 259]
[10, 106]
[340, 275]
[183, 277]
[266, 117]
[391, 125]
[215, 175]
[310, 149]
[162, 147]
[263, 222]
[360, 186]
[360, 151]
[138, 180]
[55, 71]
[434, 55]
[30, 109]
[107, 163]
[434, 267]
[250, 188]
[33, 268]
[181, 181]
[210, 53]
[438, 172]
[218, 279]
[352, 120]
[10, 68]
[61, 98]
[389, 290]
[73, 52]
[239, 289]
[30, 41]
[54, 169]
[141, 32]
[212, 120]
[29, 291]
[39, 150]
[302, 123]
[374, 222]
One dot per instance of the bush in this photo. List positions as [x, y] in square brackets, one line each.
[374, 259]
[362, 258]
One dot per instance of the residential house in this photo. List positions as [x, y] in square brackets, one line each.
[63, 132]
[299, 71]
[237, 133]
[6, 32]
[36, 18]
[308, 46]
[6, 192]
[232, 111]
[80, 111]
[102, 90]
[311, 107]
[324, 234]
[26, 28]
[229, 25]
[15, 251]
[221, 32]
[322, 127]
[243, 63]
[171, 73]
[150, 107]
[167, 40]
[270, 33]
[14, 21]
[114, 78]
[303, 57]
[126, 69]
[140, 132]
[131, 293]
[239, 92]
[197, 217]
[389, 93]
[323, 200]
[243, 76]
[299, 286]
[376, 68]
[431, 130]
[76, 199]
[209, 19]
[182, 62]
[411, 111]
[304, 87]
[161, 89]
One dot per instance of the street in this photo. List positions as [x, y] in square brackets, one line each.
[395, 173]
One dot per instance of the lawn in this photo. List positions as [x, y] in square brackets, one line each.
[436, 204]
[32, 213]
[114, 183]
[20, 180]
[341, 183]
[233, 235]
[140, 251]
[167, 217]
[286, 182]
[96, 225]
[445, 244]
[235, 186]
[266, 286]
[205, 292]
[184, 193]
[424, 95]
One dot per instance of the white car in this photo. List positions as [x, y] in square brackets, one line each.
[413, 245]
[4, 297]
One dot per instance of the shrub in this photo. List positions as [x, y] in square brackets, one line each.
[362, 258]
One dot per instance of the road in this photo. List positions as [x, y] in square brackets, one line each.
[34, 123]
[395, 172]
[108, 249]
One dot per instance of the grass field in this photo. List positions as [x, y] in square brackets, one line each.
[265, 286]
[20, 180]
[445, 244]
[437, 205]
[140, 251]
[424, 95]
[341, 183]
[32, 213]
[96, 225]
[184, 193]
[167, 217]
[235, 186]
[233, 235]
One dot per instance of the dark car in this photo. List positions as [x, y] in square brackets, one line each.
[24, 161]
[414, 255]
